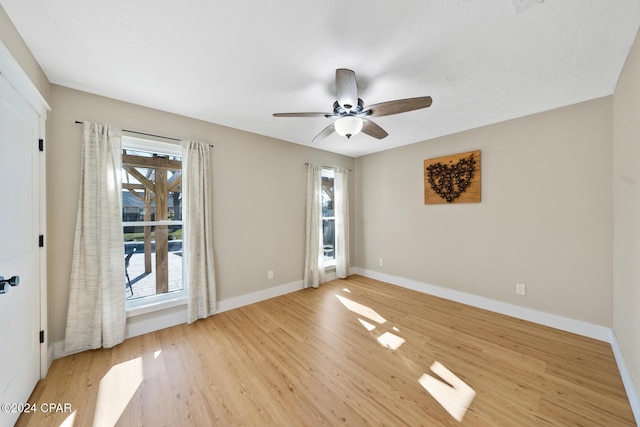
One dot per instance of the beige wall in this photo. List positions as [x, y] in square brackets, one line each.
[19, 50]
[626, 211]
[545, 219]
[259, 194]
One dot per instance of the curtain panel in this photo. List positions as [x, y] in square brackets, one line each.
[341, 191]
[96, 313]
[199, 267]
[314, 257]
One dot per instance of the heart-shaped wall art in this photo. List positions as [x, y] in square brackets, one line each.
[450, 181]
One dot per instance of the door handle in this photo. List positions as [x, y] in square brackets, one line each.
[12, 281]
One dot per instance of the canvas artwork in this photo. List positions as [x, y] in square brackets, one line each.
[452, 179]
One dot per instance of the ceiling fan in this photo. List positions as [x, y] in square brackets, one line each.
[350, 113]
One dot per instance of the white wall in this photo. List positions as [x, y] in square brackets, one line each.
[626, 211]
[545, 219]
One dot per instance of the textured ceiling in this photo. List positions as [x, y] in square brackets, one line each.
[236, 62]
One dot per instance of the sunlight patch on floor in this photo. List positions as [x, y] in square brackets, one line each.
[362, 310]
[387, 339]
[367, 325]
[117, 388]
[390, 340]
[69, 421]
[455, 397]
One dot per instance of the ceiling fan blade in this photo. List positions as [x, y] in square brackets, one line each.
[325, 133]
[399, 106]
[302, 114]
[346, 88]
[372, 129]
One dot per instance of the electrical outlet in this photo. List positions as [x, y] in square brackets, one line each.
[270, 274]
[381, 262]
[521, 289]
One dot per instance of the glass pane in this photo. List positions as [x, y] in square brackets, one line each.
[152, 191]
[327, 196]
[139, 186]
[175, 205]
[143, 277]
[329, 239]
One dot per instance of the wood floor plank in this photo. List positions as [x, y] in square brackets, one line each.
[349, 353]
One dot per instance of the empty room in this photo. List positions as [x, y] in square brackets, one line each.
[300, 213]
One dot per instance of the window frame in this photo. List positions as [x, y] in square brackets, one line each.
[155, 302]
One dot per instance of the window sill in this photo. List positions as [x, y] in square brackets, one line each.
[151, 307]
[330, 264]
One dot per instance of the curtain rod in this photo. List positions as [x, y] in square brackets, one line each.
[146, 134]
[140, 133]
[327, 167]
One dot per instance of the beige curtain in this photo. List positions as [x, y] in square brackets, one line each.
[96, 312]
[197, 190]
[341, 191]
[314, 256]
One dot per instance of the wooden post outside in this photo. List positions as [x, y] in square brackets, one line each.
[147, 231]
[162, 236]
[158, 190]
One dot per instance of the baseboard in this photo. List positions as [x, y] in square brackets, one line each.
[627, 380]
[151, 322]
[579, 327]
[242, 300]
[59, 351]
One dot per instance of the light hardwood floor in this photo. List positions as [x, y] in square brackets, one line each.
[305, 359]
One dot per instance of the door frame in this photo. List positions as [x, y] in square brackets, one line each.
[15, 75]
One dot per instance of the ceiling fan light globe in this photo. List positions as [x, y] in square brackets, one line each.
[348, 126]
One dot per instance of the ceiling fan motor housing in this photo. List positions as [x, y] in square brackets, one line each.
[347, 110]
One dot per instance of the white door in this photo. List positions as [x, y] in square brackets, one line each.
[19, 219]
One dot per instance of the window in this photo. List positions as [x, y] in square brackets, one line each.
[152, 221]
[328, 218]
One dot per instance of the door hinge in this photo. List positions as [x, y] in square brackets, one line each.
[41, 144]
[41, 337]
[41, 241]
